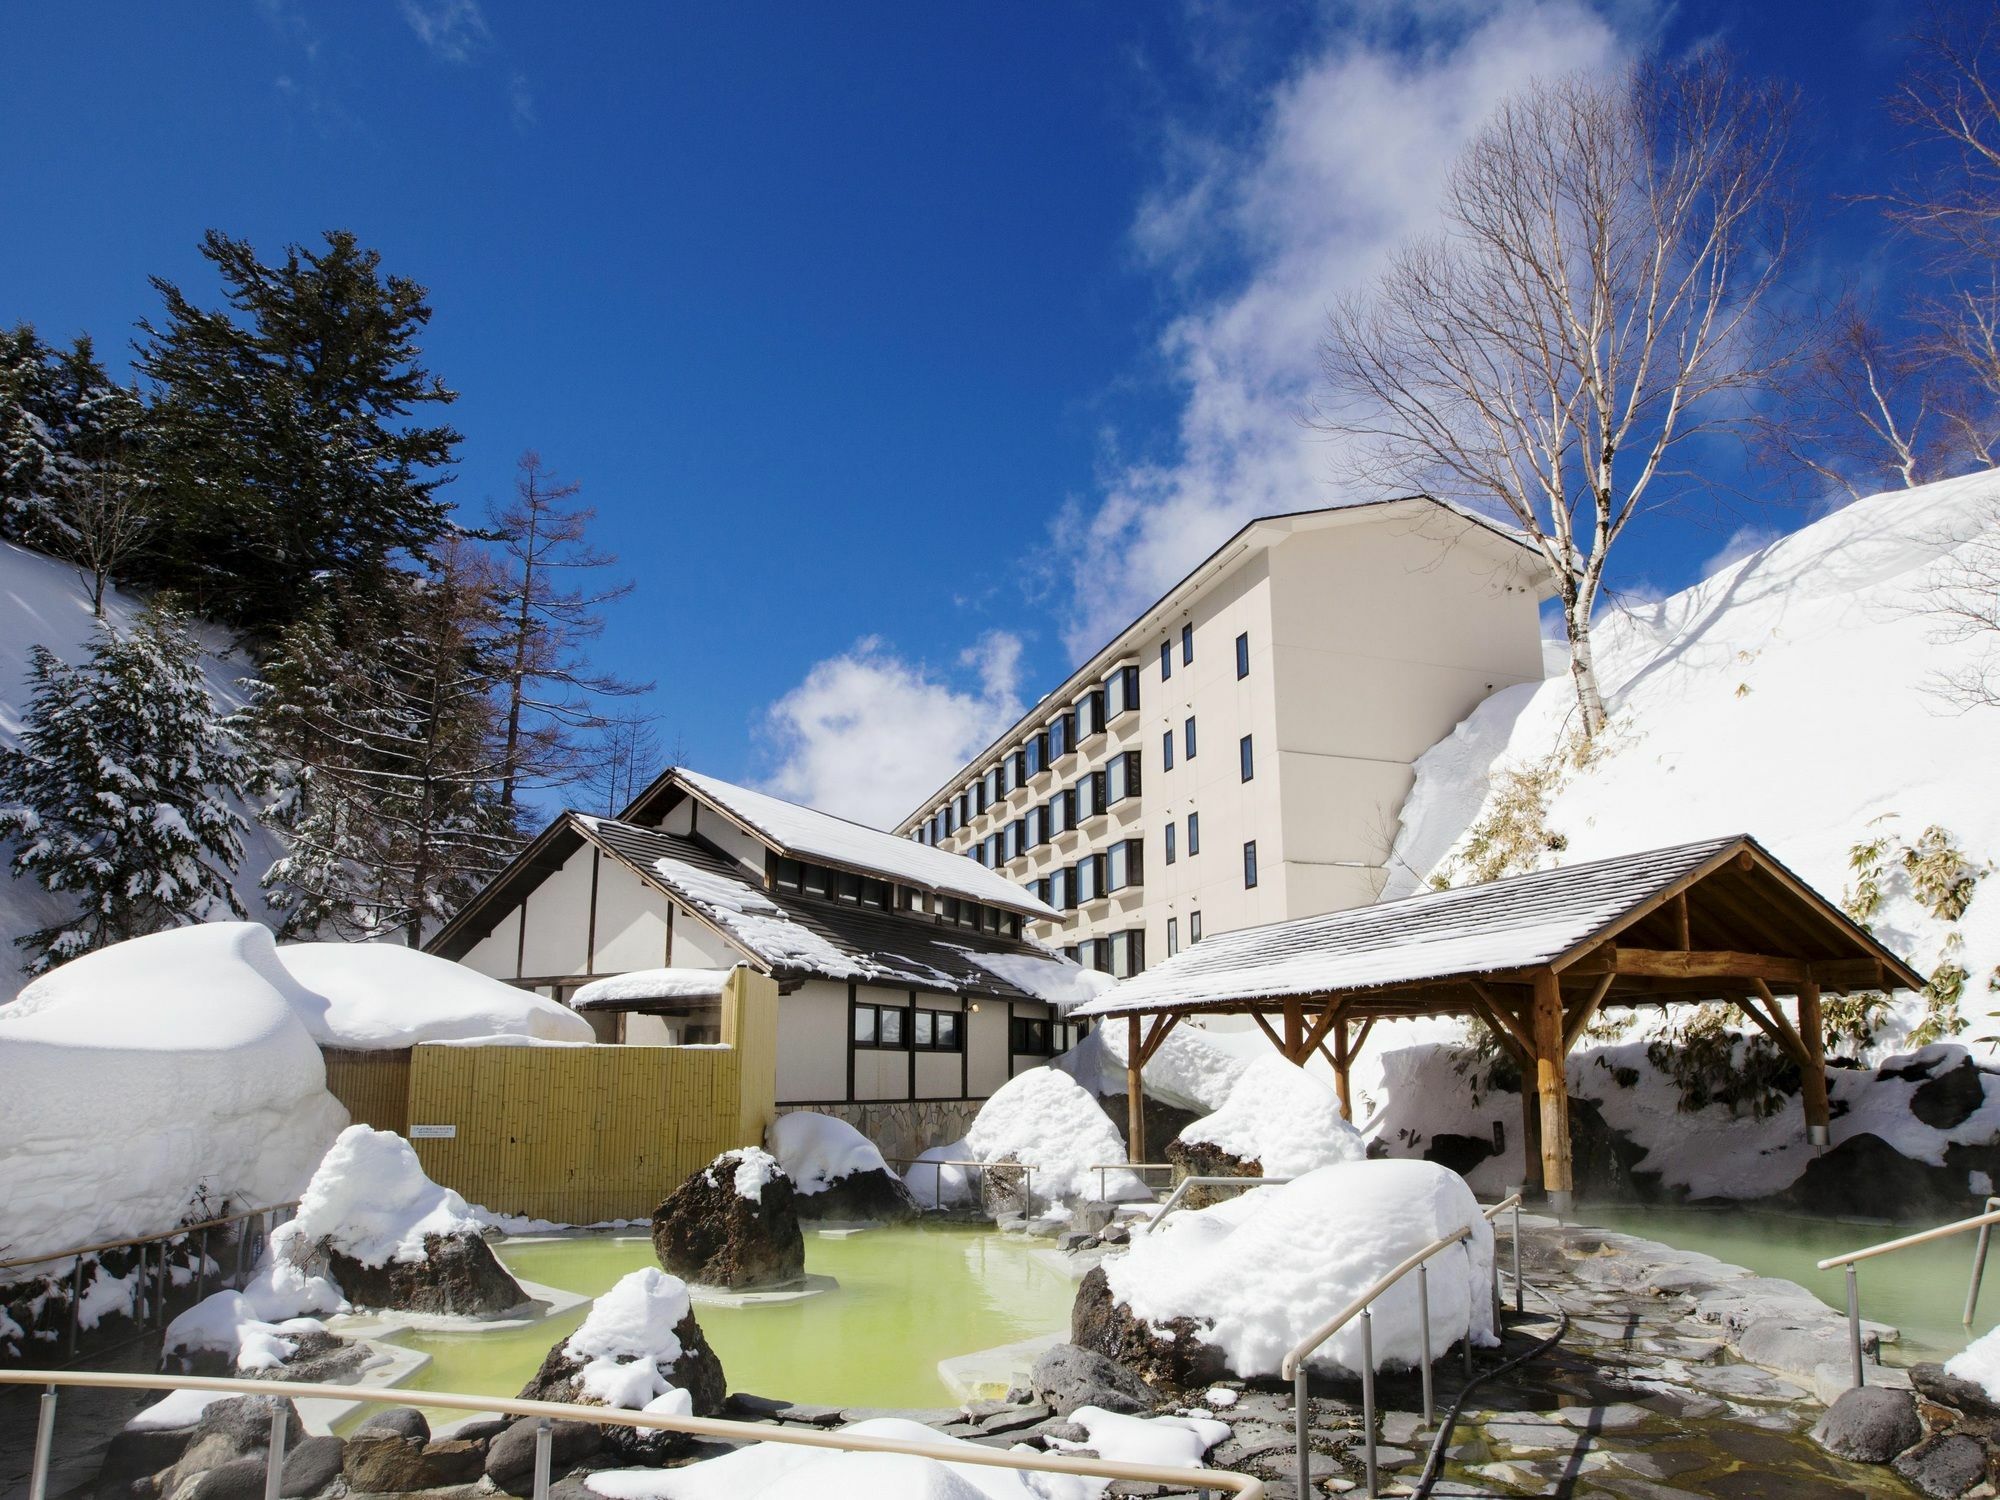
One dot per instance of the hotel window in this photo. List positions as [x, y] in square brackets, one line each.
[1245, 760]
[1062, 736]
[1059, 890]
[1121, 692]
[965, 807]
[1033, 1036]
[1194, 833]
[936, 1031]
[1170, 843]
[1039, 889]
[879, 1026]
[989, 788]
[1243, 655]
[1090, 715]
[1187, 644]
[1037, 827]
[978, 853]
[1166, 660]
[1173, 936]
[1052, 815]
[1250, 865]
[1038, 754]
[994, 845]
[1121, 777]
[1089, 796]
[1188, 737]
[1011, 845]
[1128, 953]
[1194, 927]
[1167, 751]
[1126, 865]
[1089, 877]
[1019, 762]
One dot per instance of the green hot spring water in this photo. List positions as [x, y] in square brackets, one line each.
[907, 1298]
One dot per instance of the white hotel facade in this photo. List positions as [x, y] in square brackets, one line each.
[1240, 753]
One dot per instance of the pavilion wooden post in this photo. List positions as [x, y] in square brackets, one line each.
[1342, 1059]
[1812, 1067]
[1552, 1084]
[1135, 1093]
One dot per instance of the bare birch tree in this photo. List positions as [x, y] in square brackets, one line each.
[1593, 303]
[1860, 412]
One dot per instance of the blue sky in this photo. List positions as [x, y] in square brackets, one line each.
[904, 350]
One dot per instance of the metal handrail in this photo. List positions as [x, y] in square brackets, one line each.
[1136, 1168]
[937, 1175]
[1983, 1222]
[1294, 1366]
[164, 1238]
[1182, 1188]
[1229, 1482]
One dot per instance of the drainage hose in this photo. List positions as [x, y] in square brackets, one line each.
[1434, 1467]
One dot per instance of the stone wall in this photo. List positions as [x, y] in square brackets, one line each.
[902, 1127]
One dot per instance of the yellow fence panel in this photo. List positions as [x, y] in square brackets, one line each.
[374, 1086]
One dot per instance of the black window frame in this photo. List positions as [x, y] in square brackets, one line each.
[1187, 644]
[876, 1015]
[1246, 759]
[1242, 656]
[1249, 864]
[1167, 751]
[1166, 661]
[1194, 928]
[1188, 744]
[923, 1017]
[1172, 854]
[1194, 834]
[1173, 936]
[1026, 1030]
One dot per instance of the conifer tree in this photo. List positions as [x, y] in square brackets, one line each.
[120, 791]
[291, 457]
[69, 438]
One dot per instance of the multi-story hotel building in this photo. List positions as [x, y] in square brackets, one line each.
[1240, 752]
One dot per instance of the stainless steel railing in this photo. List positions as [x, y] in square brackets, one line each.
[1026, 1168]
[1177, 1198]
[1850, 1262]
[548, 1412]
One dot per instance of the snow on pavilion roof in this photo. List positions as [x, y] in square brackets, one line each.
[1520, 922]
[808, 834]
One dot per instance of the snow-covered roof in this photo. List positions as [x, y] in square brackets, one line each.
[1521, 922]
[821, 838]
[641, 987]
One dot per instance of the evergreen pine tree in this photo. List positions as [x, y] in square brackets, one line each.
[120, 791]
[66, 431]
[289, 456]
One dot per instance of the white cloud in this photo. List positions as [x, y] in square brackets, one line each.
[1346, 160]
[455, 30]
[868, 732]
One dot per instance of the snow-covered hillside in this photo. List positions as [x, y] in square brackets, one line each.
[43, 603]
[1792, 696]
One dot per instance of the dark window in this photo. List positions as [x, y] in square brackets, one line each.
[864, 1025]
[889, 1025]
[1194, 927]
[1128, 952]
[1170, 843]
[1167, 751]
[1187, 644]
[790, 874]
[1121, 691]
[848, 888]
[1250, 865]
[1246, 761]
[818, 880]
[1188, 736]
[1033, 1036]
[1173, 936]
[1243, 655]
[1125, 864]
[1194, 833]
[1166, 660]
[1121, 777]
[935, 1031]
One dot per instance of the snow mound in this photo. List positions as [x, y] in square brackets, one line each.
[1192, 1070]
[1979, 1362]
[1260, 1272]
[150, 1073]
[816, 1150]
[1283, 1117]
[370, 1200]
[371, 996]
[628, 1345]
[935, 1185]
[1045, 1117]
[783, 1471]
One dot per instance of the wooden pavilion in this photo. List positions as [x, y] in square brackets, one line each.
[1533, 957]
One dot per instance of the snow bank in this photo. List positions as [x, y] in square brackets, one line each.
[1283, 1117]
[1170, 1442]
[371, 996]
[1261, 1271]
[1192, 1070]
[934, 1185]
[754, 1171]
[1707, 691]
[149, 1073]
[817, 1150]
[370, 1200]
[783, 1471]
[1044, 1117]
[628, 1346]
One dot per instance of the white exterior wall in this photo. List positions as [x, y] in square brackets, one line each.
[631, 922]
[697, 946]
[812, 1043]
[497, 955]
[558, 917]
[986, 1035]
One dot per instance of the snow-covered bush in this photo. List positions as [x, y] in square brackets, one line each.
[1282, 1117]
[370, 996]
[1045, 1118]
[371, 1200]
[817, 1150]
[137, 1077]
[1256, 1274]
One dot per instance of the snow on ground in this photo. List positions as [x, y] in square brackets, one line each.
[369, 1199]
[371, 996]
[1262, 1270]
[148, 1076]
[817, 1150]
[753, 1167]
[1044, 1117]
[42, 603]
[1792, 696]
[628, 1345]
[1171, 1442]
[1281, 1116]
[785, 1471]
[1194, 1068]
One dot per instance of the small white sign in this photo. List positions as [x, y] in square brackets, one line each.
[433, 1132]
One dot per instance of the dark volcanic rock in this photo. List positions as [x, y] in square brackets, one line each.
[1949, 1098]
[1164, 1122]
[400, 1421]
[239, 1479]
[381, 1463]
[238, 1428]
[142, 1450]
[311, 1467]
[709, 1233]
[877, 1194]
[1206, 1159]
[1870, 1425]
[698, 1371]
[1005, 1191]
[458, 1274]
[1865, 1176]
[510, 1461]
[1944, 1466]
[1459, 1153]
[1179, 1361]
[1068, 1376]
[1934, 1383]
